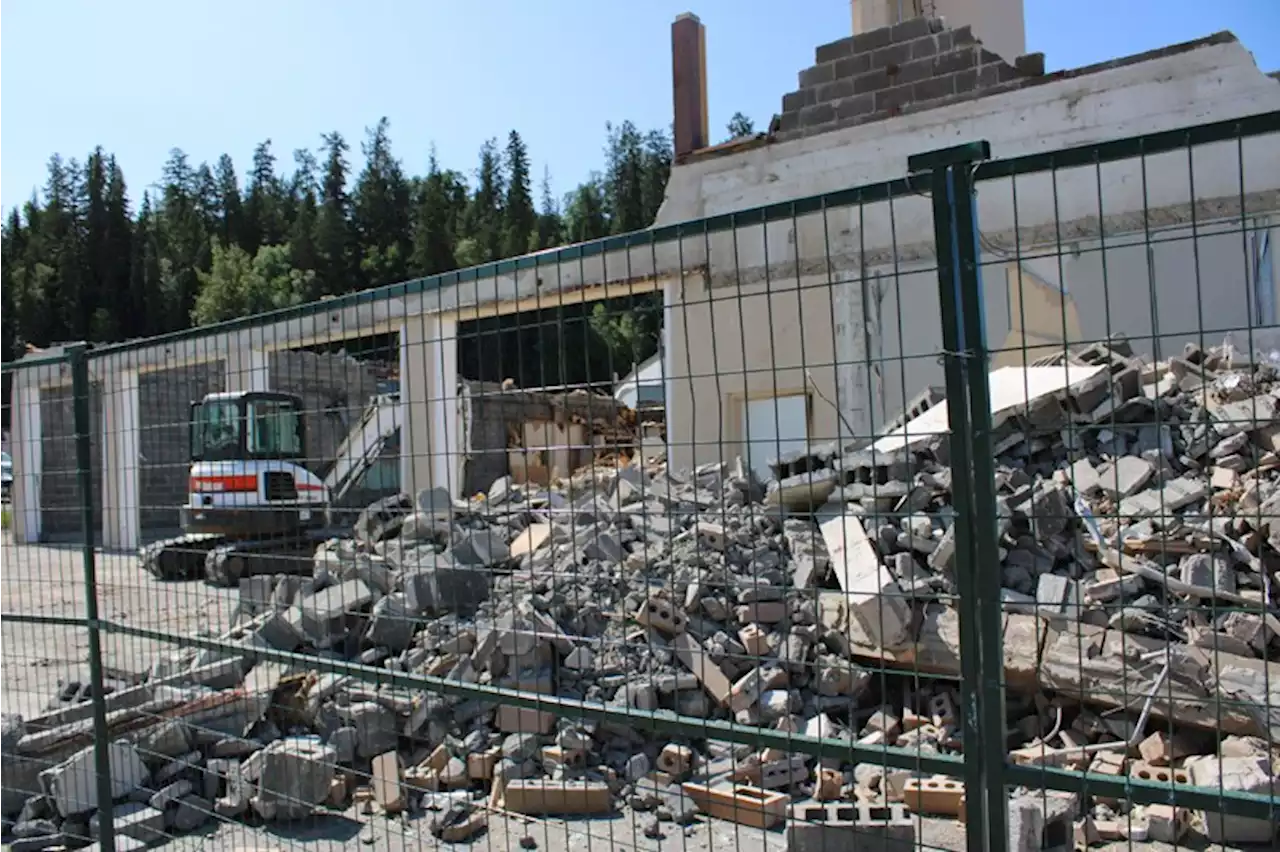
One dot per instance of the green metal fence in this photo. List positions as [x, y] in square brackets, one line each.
[953, 531]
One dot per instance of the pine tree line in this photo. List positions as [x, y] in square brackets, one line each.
[80, 262]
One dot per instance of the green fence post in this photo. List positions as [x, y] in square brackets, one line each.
[80, 394]
[977, 564]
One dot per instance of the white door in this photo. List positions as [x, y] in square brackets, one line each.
[771, 427]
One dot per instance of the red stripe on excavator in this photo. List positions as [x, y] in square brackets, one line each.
[236, 483]
[307, 486]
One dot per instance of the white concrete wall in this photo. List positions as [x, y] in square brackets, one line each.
[1036, 212]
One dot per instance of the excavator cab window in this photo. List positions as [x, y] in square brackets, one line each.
[274, 428]
[215, 430]
[257, 426]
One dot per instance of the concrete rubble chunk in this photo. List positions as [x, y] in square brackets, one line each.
[875, 599]
[293, 776]
[1253, 774]
[73, 784]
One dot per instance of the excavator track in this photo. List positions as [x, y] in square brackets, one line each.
[179, 558]
[227, 563]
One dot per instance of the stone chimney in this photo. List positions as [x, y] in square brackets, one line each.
[915, 65]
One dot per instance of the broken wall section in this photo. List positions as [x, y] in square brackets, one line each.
[334, 389]
[535, 435]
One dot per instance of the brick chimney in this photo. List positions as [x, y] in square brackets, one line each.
[907, 67]
[689, 83]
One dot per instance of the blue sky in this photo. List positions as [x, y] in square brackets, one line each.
[142, 76]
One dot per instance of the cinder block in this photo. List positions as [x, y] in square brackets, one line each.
[480, 764]
[740, 803]
[676, 760]
[663, 615]
[540, 796]
[849, 827]
[937, 795]
[1142, 771]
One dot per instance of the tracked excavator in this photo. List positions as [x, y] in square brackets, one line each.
[253, 506]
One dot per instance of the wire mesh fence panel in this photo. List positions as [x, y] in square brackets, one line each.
[840, 521]
[1134, 490]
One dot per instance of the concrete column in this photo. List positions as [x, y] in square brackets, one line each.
[429, 440]
[28, 460]
[121, 498]
[248, 370]
[689, 83]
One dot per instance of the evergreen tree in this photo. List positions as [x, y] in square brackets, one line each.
[264, 200]
[184, 244]
[437, 213]
[382, 212]
[740, 125]
[230, 229]
[305, 204]
[95, 297]
[10, 234]
[144, 273]
[485, 215]
[550, 227]
[333, 240]
[624, 178]
[520, 218]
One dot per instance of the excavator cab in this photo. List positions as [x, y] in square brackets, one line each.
[248, 475]
[254, 425]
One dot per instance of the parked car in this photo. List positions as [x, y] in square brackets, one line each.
[6, 473]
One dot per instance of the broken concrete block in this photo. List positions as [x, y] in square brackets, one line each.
[482, 548]
[1125, 477]
[1208, 573]
[1236, 775]
[1084, 477]
[710, 675]
[875, 601]
[133, 819]
[293, 776]
[326, 615]
[436, 584]
[377, 728]
[392, 624]
[73, 784]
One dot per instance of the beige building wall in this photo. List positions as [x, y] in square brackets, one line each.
[734, 345]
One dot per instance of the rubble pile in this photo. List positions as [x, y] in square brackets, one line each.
[1138, 550]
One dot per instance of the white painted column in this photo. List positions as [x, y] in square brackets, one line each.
[429, 455]
[445, 455]
[121, 496]
[28, 461]
[248, 370]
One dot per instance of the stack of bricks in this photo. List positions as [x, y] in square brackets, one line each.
[915, 65]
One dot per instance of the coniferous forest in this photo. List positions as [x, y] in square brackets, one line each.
[89, 259]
